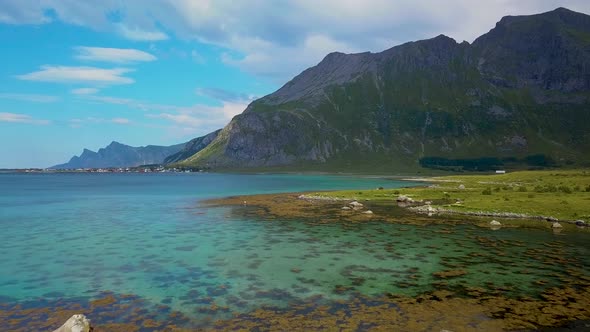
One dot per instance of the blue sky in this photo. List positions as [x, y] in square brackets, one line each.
[80, 74]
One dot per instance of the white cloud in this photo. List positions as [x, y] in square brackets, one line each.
[268, 59]
[77, 123]
[181, 119]
[220, 94]
[138, 34]
[280, 38]
[191, 119]
[198, 58]
[84, 91]
[21, 118]
[203, 118]
[133, 103]
[66, 74]
[17, 12]
[29, 97]
[116, 55]
[120, 121]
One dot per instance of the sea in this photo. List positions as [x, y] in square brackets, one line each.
[78, 237]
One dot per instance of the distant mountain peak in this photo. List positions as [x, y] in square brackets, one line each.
[120, 155]
[115, 143]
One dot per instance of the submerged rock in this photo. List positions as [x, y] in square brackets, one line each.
[556, 225]
[76, 323]
[346, 208]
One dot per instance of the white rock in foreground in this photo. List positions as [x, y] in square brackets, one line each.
[355, 205]
[495, 223]
[76, 323]
[368, 212]
[556, 225]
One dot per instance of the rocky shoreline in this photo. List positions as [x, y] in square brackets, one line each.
[426, 208]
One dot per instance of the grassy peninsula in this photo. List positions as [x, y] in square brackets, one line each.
[517, 199]
[560, 194]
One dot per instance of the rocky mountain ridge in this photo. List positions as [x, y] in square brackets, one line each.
[120, 155]
[521, 89]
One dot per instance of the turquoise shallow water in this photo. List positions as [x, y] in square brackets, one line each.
[78, 235]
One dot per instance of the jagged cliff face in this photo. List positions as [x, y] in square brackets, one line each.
[120, 155]
[521, 89]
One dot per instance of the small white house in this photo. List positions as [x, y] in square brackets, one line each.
[500, 171]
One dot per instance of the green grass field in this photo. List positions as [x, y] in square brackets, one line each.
[563, 194]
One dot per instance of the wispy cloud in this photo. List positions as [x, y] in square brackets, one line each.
[29, 97]
[22, 118]
[196, 118]
[223, 94]
[120, 121]
[198, 57]
[115, 55]
[67, 74]
[77, 123]
[138, 34]
[181, 119]
[203, 116]
[133, 103]
[84, 91]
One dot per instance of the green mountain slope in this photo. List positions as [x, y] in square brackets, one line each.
[522, 89]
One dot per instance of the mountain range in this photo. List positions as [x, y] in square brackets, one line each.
[121, 155]
[519, 92]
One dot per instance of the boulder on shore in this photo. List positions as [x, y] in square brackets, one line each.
[461, 187]
[495, 223]
[368, 212]
[404, 199]
[356, 205]
[76, 323]
[556, 225]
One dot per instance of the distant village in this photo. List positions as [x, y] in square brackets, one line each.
[138, 169]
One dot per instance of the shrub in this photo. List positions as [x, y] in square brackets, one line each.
[522, 189]
[487, 191]
[565, 189]
[538, 189]
[588, 188]
[531, 195]
[396, 192]
[577, 188]
[497, 189]
[549, 189]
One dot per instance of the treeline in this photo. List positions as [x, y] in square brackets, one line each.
[485, 163]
